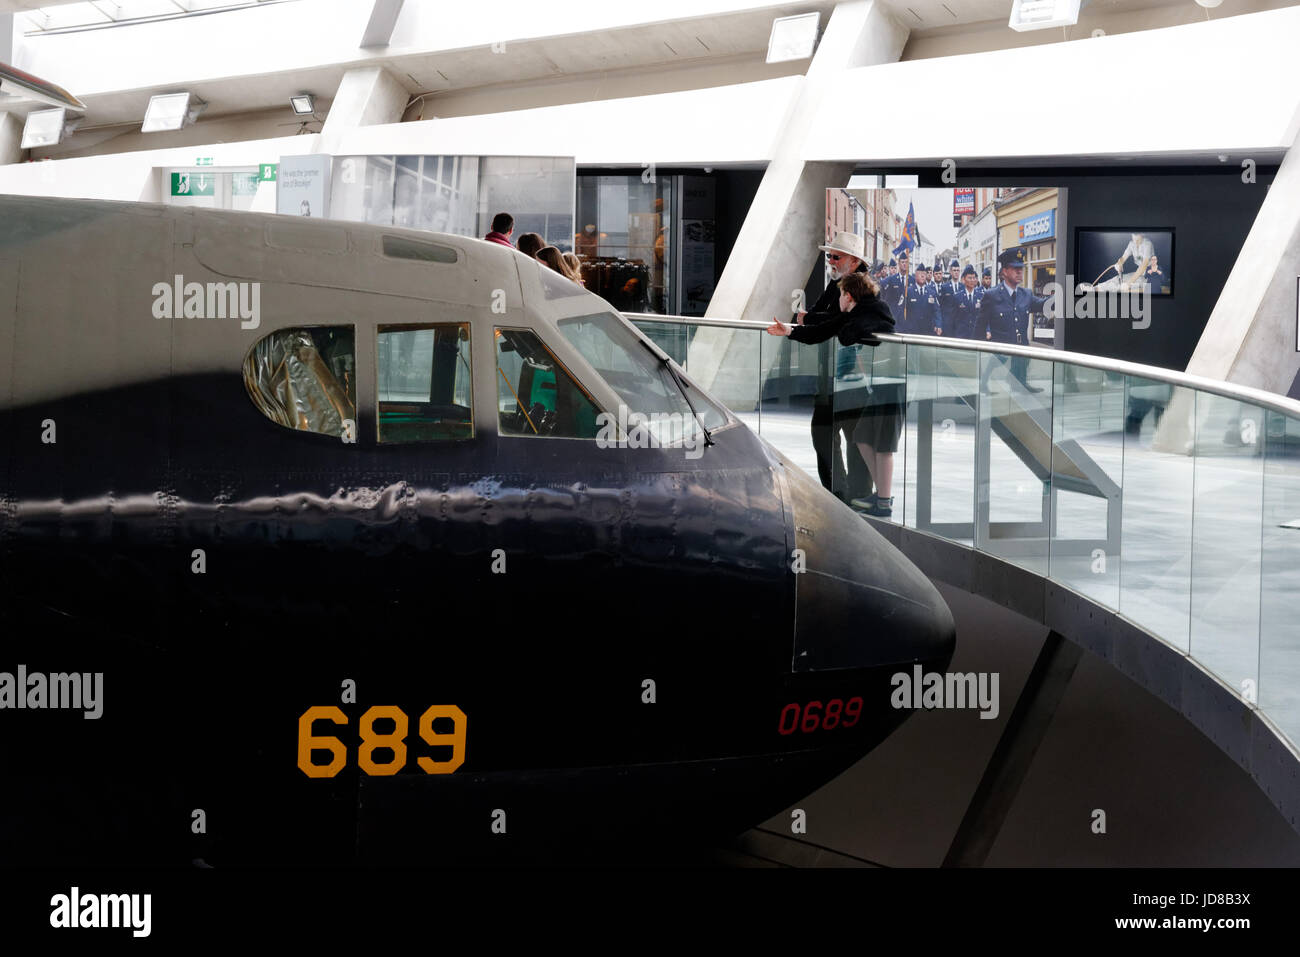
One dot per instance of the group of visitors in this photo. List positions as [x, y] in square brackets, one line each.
[532, 244]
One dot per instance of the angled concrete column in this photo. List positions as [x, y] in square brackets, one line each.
[11, 139]
[777, 245]
[368, 96]
[383, 17]
[1250, 338]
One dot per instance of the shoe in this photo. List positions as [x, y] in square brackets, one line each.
[881, 508]
[864, 504]
[1033, 388]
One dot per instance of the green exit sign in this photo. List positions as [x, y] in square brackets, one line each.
[193, 184]
[203, 161]
[266, 172]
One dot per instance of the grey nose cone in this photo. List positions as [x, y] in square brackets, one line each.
[860, 603]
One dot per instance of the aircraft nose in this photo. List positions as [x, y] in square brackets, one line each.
[860, 603]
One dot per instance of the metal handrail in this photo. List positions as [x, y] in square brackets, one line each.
[1230, 390]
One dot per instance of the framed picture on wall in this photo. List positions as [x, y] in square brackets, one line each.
[1124, 259]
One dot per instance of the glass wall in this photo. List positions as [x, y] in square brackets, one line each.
[647, 241]
[538, 191]
[624, 239]
[457, 194]
[1279, 636]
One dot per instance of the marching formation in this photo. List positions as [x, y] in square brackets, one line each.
[963, 305]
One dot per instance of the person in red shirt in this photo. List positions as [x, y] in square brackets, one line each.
[503, 224]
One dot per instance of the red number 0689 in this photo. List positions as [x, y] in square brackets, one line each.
[836, 714]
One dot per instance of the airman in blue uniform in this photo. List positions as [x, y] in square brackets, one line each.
[950, 284]
[894, 289]
[948, 288]
[1005, 310]
[920, 315]
[963, 306]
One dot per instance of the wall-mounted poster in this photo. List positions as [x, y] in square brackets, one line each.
[303, 186]
[967, 244]
[1124, 260]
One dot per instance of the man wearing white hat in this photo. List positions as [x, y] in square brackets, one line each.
[844, 255]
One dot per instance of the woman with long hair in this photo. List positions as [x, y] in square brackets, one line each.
[555, 259]
[575, 268]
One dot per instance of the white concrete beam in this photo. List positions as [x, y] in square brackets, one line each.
[383, 17]
[689, 128]
[368, 96]
[1193, 71]
[777, 244]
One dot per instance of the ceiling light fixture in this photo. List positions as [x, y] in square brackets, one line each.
[793, 38]
[47, 128]
[1042, 14]
[171, 111]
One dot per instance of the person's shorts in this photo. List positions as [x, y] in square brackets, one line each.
[879, 426]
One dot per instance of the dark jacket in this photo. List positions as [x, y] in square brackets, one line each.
[824, 319]
[868, 317]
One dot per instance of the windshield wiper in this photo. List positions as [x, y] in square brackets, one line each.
[681, 384]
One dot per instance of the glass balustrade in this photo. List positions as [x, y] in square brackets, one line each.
[1176, 506]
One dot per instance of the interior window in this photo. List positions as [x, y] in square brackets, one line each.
[535, 394]
[641, 379]
[424, 383]
[305, 378]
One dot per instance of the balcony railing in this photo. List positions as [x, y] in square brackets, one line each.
[1170, 500]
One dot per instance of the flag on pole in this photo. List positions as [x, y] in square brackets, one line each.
[908, 242]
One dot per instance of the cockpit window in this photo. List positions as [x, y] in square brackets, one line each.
[644, 381]
[535, 394]
[305, 378]
[424, 383]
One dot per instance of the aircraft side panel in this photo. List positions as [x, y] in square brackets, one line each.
[255, 247]
[89, 540]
